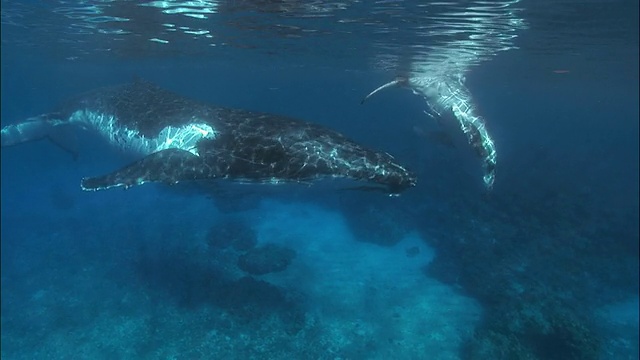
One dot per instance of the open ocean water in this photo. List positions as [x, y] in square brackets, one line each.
[519, 241]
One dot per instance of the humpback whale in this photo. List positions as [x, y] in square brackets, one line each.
[179, 139]
[449, 95]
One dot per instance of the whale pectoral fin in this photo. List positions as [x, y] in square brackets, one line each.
[169, 166]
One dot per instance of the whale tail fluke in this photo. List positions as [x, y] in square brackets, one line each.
[396, 82]
[35, 128]
[45, 126]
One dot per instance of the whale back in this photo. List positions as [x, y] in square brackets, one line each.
[143, 106]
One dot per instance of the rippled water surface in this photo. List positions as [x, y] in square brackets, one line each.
[385, 34]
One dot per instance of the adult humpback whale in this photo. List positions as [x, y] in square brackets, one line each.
[180, 139]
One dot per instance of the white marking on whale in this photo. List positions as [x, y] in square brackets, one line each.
[184, 137]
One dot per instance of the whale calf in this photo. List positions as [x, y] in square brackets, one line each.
[449, 95]
[179, 139]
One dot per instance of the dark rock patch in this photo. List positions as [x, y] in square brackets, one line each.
[266, 259]
[412, 251]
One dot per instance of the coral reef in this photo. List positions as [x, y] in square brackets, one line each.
[539, 268]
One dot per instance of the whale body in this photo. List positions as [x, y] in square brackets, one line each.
[449, 95]
[179, 139]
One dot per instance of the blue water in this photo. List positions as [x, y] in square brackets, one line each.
[542, 266]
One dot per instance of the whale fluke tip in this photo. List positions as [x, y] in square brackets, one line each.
[397, 81]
